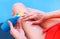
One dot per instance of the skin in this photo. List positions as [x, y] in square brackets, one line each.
[20, 28]
[32, 31]
[17, 32]
[51, 18]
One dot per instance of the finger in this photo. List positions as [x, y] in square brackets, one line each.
[31, 17]
[30, 13]
[16, 26]
[11, 25]
[36, 22]
[24, 14]
[20, 22]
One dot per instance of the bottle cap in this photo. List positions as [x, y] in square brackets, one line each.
[20, 13]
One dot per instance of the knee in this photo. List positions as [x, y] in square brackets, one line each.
[17, 7]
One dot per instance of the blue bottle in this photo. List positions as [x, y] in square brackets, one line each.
[5, 26]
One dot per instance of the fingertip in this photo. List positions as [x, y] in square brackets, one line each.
[10, 23]
[35, 23]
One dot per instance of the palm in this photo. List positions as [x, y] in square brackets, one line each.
[17, 31]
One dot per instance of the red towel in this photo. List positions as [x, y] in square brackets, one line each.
[53, 32]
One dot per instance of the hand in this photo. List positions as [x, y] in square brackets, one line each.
[35, 15]
[17, 31]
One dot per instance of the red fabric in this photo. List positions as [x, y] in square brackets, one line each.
[53, 32]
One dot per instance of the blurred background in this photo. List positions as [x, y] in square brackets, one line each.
[6, 10]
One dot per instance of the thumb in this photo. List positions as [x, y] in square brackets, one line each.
[11, 25]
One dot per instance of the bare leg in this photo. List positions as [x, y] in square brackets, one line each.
[32, 31]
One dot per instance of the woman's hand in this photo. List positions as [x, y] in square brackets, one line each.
[34, 15]
[17, 31]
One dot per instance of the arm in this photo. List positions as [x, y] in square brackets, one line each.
[51, 18]
[54, 14]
